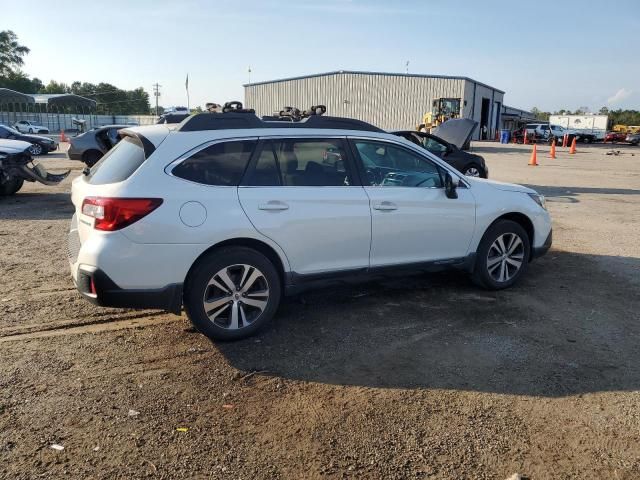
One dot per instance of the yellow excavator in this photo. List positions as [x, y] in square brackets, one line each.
[626, 128]
[443, 109]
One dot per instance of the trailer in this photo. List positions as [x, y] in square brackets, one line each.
[593, 127]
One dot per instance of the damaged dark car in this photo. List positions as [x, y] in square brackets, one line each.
[17, 166]
[91, 146]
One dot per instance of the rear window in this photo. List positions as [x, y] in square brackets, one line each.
[219, 164]
[119, 162]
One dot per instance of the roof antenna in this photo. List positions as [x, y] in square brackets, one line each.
[406, 65]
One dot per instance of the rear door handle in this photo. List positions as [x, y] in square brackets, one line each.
[273, 205]
[385, 206]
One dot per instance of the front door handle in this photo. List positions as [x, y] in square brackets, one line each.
[273, 205]
[385, 206]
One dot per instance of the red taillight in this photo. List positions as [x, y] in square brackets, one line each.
[115, 213]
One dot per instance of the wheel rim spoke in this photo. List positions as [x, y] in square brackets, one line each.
[218, 302]
[261, 304]
[515, 243]
[224, 276]
[514, 262]
[251, 280]
[233, 324]
[493, 262]
[213, 315]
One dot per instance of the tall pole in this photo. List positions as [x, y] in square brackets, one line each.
[249, 72]
[156, 93]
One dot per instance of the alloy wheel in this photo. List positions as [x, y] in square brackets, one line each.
[472, 172]
[505, 257]
[236, 296]
[35, 149]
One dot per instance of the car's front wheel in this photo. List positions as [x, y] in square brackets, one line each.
[232, 292]
[502, 256]
[473, 170]
[35, 149]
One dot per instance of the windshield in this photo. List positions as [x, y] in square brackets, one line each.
[11, 130]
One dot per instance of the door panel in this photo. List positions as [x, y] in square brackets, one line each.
[412, 220]
[424, 224]
[319, 228]
[300, 193]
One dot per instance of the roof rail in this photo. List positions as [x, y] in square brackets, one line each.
[236, 121]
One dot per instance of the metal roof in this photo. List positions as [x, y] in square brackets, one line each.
[63, 99]
[387, 74]
[11, 96]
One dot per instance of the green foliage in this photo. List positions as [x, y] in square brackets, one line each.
[20, 82]
[11, 53]
[540, 115]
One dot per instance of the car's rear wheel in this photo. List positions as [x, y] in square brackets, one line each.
[35, 149]
[31, 130]
[91, 157]
[11, 186]
[473, 170]
[502, 256]
[232, 292]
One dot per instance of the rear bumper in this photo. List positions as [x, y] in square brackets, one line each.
[540, 251]
[99, 289]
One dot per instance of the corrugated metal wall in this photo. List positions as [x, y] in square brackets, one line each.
[388, 101]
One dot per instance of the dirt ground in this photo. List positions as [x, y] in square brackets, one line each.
[419, 377]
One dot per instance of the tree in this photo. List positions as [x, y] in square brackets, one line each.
[55, 87]
[539, 114]
[20, 82]
[603, 111]
[11, 52]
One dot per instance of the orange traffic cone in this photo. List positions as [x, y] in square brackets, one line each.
[526, 138]
[534, 157]
[572, 150]
[552, 153]
[565, 140]
[63, 137]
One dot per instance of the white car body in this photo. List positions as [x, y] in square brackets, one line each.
[25, 126]
[313, 230]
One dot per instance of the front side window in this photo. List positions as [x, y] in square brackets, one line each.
[221, 164]
[301, 163]
[388, 165]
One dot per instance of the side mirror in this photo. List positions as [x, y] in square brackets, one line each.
[450, 186]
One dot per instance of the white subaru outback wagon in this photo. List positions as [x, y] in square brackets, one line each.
[226, 213]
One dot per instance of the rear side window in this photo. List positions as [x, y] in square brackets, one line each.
[119, 162]
[301, 163]
[219, 164]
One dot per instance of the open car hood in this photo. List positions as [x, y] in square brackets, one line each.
[457, 131]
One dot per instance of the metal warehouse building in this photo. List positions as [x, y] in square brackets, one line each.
[388, 100]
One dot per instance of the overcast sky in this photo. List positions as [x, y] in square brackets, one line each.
[549, 54]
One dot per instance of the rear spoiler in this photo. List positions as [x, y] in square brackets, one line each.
[144, 142]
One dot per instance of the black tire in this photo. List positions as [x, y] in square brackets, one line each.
[586, 139]
[11, 186]
[481, 274]
[197, 285]
[31, 130]
[91, 157]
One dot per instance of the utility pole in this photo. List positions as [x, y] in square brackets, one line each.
[407, 67]
[156, 93]
[249, 72]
